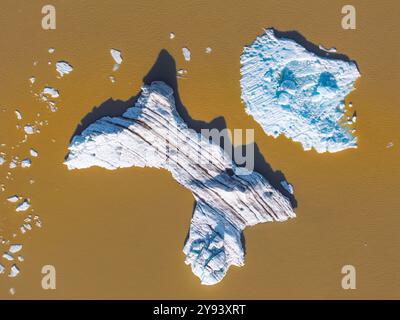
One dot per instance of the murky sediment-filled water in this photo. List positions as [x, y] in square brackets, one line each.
[119, 234]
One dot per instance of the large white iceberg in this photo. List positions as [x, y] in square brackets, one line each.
[152, 134]
[295, 92]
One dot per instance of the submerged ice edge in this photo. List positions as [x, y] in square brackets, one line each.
[291, 91]
[226, 203]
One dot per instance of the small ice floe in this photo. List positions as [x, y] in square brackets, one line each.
[51, 50]
[13, 198]
[112, 79]
[2, 160]
[330, 50]
[26, 163]
[390, 145]
[27, 226]
[52, 92]
[2, 268]
[208, 50]
[8, 256]
[35, 63]
[18, 114]
[350, 104]
[186, 53]
[32, 80]
[52, 105]
[33, 152]
[181, 73]
[63, 67]
[12, 291]
[171, 35]
[22, 228]
[116, 54]
[288, 187]
[14, 248]
[13, 164]
[20, 258]
[23, 206]
[14, 271]
[29, 129]
[354, 117]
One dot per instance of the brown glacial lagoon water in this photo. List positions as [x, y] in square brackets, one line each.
[119, 234]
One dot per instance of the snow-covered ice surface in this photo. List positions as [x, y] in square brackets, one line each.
[295, 92]
[63, 67]
[152, 134]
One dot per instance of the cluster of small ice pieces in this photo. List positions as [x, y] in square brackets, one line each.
[295, 92]
[152, 134]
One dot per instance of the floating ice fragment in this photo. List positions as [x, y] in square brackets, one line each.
[33, 152]
[32, 80]
[390, 145]
[12, 291]
[112, 79]
[181, 72]
[13, 198]
[25, 205]
[116, 54]
[172, 35]
[29, 129]
[8, 256]
[2, 160]
[2, 268]
[20, 258]
[26, 163]
[13, 164]
[331, 50]
[52, 92]
[208, 50]
[288, 187]
[298, 93]
[51, 50]
[14, 271]
[27, 226]
[14, 248]
[18, 114]
[63, 67]
[152, 134]
[186, 53]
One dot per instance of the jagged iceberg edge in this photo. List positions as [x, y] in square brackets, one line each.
[291, 91]
[152, 131]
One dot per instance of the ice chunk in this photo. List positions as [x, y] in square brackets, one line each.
[14, 271]
[208, 50]
[390, 145]
[8, 256]
[51, 50]
[2, 269]
[23, 206]
[152, 134]
[2, 160]
[33, 152]
[14, 248]
[186, 53]
[288, 187]
[116, 54]
[18, 114]
[298, 93]
[12, 291]
[112, 79]
[13, 198]
[52, 92]
[29, 129]
[63, 67]
[172, 35]
[26, 163]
